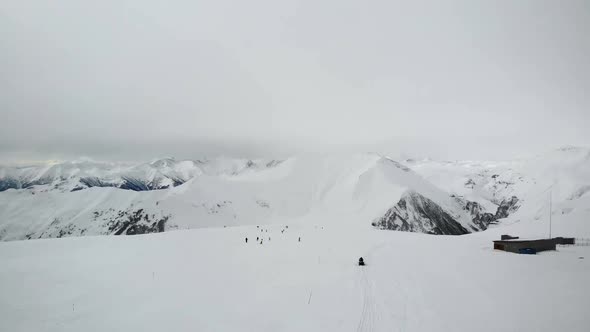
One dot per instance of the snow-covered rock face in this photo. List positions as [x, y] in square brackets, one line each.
[416, 213]
[89, 198]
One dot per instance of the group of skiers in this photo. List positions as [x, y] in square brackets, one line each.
[260, 240]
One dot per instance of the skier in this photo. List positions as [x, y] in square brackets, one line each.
[361, 262]
[300, 239]
[246, 240]
[257, 239]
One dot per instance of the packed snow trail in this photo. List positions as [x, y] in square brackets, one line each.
[373, 315]
[367, 319]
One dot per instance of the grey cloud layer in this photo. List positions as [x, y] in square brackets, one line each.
[135, 78]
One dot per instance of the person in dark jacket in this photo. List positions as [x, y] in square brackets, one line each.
[361, 262]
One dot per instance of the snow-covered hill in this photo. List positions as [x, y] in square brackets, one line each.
[561, 176]
[89, 198]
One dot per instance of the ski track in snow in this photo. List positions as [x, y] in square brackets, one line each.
[370, 313]
[375, 314]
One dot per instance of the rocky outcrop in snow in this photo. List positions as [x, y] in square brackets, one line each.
[107, 222]
[136, 222]
[416, 213]
[483, 219]
[479, 216]
[506, 207]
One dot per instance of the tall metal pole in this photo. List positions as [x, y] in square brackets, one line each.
[550, 211]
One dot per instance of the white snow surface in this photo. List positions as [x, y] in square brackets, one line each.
[210, 279]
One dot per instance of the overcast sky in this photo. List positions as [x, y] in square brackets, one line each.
[132, 79]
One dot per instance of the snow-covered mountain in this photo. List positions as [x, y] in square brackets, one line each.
[91, 198]
[158, 174]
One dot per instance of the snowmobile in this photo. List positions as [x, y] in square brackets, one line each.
[361, 262]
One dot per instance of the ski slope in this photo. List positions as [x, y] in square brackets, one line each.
[211, 280]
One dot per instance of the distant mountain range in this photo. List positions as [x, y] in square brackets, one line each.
[159, 174]
[435, 197]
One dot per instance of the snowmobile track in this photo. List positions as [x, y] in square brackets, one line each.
[369, 312]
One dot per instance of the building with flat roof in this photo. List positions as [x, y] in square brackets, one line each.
[518, 246]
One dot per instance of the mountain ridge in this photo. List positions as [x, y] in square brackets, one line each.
[89, 198]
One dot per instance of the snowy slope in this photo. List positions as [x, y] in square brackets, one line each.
[211, 280]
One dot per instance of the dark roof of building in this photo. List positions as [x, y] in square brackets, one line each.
[520, 241]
